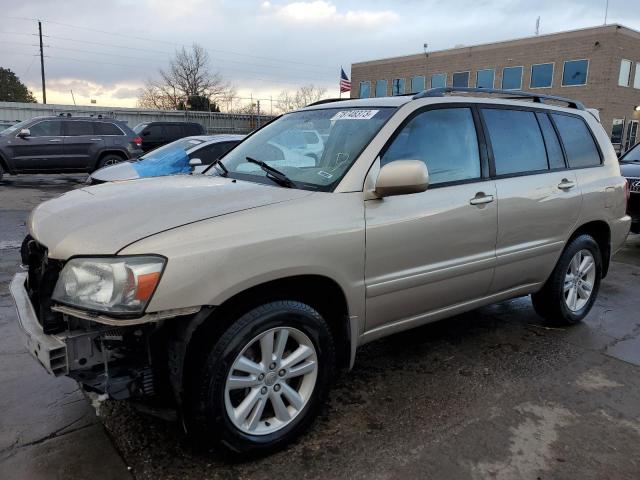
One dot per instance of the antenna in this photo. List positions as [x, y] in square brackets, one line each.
[537, 26]
[606, 12]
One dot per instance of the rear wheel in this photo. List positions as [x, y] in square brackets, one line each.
[264, 380]
[108, 160]
[572, 288]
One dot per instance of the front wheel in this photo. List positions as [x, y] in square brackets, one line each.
[572, 288]
[265, 379]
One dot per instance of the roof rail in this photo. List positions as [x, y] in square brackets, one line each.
[328, 100]
[514, 94]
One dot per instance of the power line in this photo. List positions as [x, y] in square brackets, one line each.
[122, 35]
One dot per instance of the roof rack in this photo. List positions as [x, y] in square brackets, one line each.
[328, 100]
[514, 94]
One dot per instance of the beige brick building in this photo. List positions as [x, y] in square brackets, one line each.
[599, 66]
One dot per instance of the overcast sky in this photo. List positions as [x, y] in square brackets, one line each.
[106, 49]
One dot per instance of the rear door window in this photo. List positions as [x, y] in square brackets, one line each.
[78, 128]
[444, 139]
[47, 128]
[191, 129]
[516, 141]
[174, 131]
[578, 143]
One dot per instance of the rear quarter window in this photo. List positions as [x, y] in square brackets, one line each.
[578, 142]
[102, 128]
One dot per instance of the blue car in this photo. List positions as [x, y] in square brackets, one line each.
[180, 157]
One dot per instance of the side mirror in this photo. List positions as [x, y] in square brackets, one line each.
[194, 162]
[402, 177]
[25, 132]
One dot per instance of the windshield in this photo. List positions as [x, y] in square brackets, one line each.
[15, 127]
[138, 128]
[632, 156]
[313, 148]
[183, 144]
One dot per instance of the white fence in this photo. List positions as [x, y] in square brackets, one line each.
[212, 122]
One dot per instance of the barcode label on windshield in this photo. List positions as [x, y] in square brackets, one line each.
[354, 115]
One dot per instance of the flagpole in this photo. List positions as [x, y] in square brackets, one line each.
[339, 82]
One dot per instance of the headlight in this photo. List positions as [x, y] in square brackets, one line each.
[109, 284]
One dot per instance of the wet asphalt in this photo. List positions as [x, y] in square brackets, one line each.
[493, 394]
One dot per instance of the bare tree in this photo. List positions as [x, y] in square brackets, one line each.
[187, 82]
[305, 95]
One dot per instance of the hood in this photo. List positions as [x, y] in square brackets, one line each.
[105, 218]
[630, 169]
[112, 173]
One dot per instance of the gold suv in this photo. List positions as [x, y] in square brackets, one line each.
[234, 294]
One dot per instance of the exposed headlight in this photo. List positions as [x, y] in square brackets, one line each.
[109, 284]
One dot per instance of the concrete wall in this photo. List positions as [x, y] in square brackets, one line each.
[604, 47]
[213, 122]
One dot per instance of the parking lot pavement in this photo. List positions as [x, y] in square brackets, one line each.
[489, 394]
[47, 427]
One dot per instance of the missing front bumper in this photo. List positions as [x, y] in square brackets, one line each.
[49, 350]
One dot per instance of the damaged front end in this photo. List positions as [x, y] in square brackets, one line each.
[121, 357]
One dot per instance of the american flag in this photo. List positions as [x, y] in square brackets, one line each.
[345, 83]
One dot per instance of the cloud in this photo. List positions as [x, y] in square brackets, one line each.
[124, 92]
[323, 12]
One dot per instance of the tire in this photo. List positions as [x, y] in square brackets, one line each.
[568, 307]
[109, 159]
[1, 171]
[213, 395]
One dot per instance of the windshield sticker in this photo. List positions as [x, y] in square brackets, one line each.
[354, 115]
[325, 174]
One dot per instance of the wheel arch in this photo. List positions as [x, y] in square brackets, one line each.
[109, 151]
[4, 164]
[601, 233]
[321, 293]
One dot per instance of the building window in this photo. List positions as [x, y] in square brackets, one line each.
[438, 80]
[484, 78]
[617, 130]
[381, 88]
[624, 77]
[512, 78]
[575, 73]
[397, 87]
[417, 84]
[636, 77]
[541, 75]
[365, 89]
[461, 79]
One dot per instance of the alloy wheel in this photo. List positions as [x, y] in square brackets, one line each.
[579, 280]
[271, 381]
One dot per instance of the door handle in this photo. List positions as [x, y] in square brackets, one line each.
[96, 139]
[55, 140]
[566, 184]
[481, 199]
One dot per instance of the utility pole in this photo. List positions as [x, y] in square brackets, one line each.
[44, 89]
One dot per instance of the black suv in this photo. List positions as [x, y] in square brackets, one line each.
[156, 134]
[66, 144]
[630, 169]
